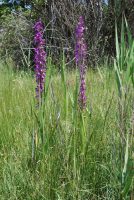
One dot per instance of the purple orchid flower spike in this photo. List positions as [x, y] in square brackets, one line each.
[81, 60]
[39, 59]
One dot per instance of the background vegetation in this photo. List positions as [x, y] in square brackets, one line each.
[60, 18]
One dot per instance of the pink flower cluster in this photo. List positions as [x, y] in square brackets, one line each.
[81, 58]
[39, 58]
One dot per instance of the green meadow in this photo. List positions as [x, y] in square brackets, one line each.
[57, 151]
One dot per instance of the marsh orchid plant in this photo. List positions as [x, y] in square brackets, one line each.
[81, 60]
[39, 59]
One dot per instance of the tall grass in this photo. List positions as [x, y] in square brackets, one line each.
[58, 152]
[124, 69]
